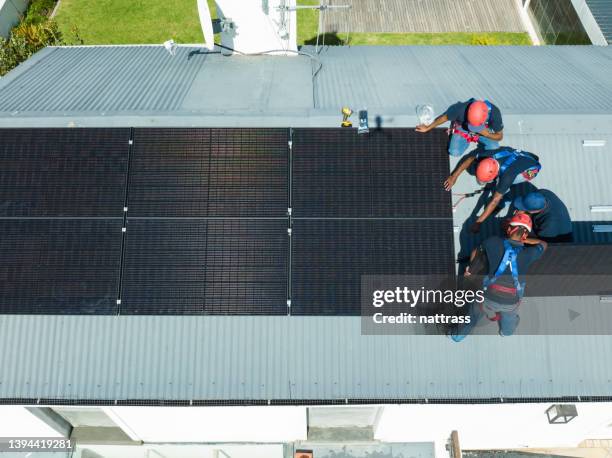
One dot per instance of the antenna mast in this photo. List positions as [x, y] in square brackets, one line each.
[323, 6]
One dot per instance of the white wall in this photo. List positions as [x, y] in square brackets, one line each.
[212, 424]
[10, 12]
[257, 31]
[184, 451]
[492, 426]
[16, 421]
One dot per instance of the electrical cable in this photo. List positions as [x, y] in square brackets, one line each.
[272, 51]
[467, 195]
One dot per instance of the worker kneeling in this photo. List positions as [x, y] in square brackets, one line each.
[473, 121]
[503, 260]
[551, 219]
[503, 167]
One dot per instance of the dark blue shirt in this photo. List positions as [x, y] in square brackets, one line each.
[521, 165]
[554, 220]
[494, 250]
[458, 113]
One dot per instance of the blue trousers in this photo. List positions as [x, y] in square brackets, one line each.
[508, 318]
[458, 145]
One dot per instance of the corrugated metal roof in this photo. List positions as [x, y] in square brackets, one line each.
[261, 358]
[521, 79]
[107, 80]
[78, 83]
[540, 91]
[602, 11]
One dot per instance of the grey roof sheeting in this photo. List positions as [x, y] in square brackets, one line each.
[284, 358]
[144, 85]
[521, 79]
[540, 91]
[602, 11]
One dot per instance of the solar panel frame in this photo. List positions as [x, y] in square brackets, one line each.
[330, 256]
[63, 172]
[395, 173]
[60, 266]
[206, 266]
[209, 173]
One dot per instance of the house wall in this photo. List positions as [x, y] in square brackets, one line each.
[10, 13]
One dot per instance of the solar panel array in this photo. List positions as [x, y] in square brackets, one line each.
[216, 221]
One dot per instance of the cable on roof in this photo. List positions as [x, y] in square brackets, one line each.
[271, 51]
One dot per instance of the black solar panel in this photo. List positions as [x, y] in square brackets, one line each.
[206, 267]
[63, 172]
[571, 270]
[59, 266]
[207, 218]
[330, 256]
[209, 172]
[387, 173]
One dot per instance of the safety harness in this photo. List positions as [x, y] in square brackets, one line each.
[509, 157]
[509, 259]
[472, 137]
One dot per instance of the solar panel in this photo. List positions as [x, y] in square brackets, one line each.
[330, 256]
[207, 218]
[63, 172]
[386, 173]
[571, 270]
[206, 267]
[209, 172]
[59, 266]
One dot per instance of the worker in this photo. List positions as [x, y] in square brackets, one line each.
[474, 121]
[505, 166]
[502, 262]
[551, 219]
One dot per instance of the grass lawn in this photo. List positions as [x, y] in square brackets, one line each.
[155, 21]
[131, 21]
[456, 38]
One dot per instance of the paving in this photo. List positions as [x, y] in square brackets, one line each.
[422, 16]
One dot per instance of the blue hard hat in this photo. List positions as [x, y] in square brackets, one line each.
[532, 202]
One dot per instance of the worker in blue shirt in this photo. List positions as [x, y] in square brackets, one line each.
[503, 262]
[551, 219]
[503, 166]
[473, 121]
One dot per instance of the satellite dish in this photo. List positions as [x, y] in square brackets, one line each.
[207, 26]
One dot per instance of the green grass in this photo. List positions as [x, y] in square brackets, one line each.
[131, 21]
[307, 22]
[497, 38]
[155, 21]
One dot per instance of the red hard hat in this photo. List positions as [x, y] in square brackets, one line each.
[487, 170]
[478, 112]
[521, 219]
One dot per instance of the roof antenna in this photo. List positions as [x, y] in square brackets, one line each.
[323, 6]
